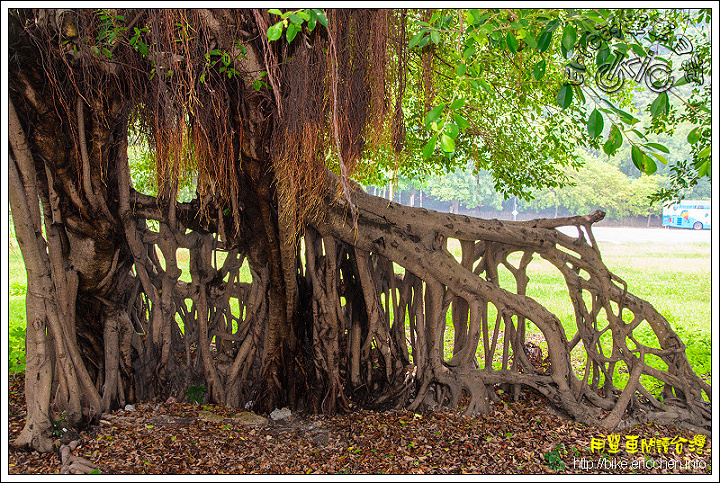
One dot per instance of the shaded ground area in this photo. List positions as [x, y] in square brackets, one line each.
[518, 437]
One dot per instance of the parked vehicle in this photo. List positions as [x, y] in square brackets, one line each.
[691, 214]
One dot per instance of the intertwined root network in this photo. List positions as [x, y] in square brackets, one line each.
[393, 319]
[597, 369]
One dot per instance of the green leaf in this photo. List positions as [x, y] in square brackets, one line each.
[639, 134]
[321, 17]
[592, 15]
[472, 15]
[638, 49]
[543, 41]
[614, 141]
[658, 146]
[705, 152]
[564, 98]
[291, 32]
[552, 25]
[434, 113]
[447, 144]
[625, 117]
[469, 52]
[622, 48]
[579, 93]
[296, 19]
[694, 135]
[512, 43]
[461, 122]
[275, 11]
[659, 157]
[642, 161]
[452, 130]
[539, 69]
[602, 55]
[595, 124]
[681, 82]
[650, 165]
[416, 39]
[435, 37]
[430, 146]
[545, 38]
[275, 32]
[482, 19]
[461, 69]
[704, 168]
[569, 37]
[530, 40]
[457, 103]
[423, 42]
[660, 105]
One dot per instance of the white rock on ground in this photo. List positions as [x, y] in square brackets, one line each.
[279, 414]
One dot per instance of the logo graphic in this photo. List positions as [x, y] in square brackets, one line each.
[622, 64]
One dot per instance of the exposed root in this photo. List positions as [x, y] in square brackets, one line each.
[75, 465]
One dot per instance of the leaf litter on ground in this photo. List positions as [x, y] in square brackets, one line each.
[518, 437]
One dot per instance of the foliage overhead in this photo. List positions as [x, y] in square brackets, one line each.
[516, 91]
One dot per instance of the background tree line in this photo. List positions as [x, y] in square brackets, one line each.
[616, 188]
[610, 183]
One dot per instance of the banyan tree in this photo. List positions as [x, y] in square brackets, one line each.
[349, 297]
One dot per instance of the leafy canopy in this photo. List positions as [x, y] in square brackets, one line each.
[517, 91]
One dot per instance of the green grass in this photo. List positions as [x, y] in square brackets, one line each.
[17, 288]
[673, 278]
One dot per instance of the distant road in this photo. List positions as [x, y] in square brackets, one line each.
[612, 234]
